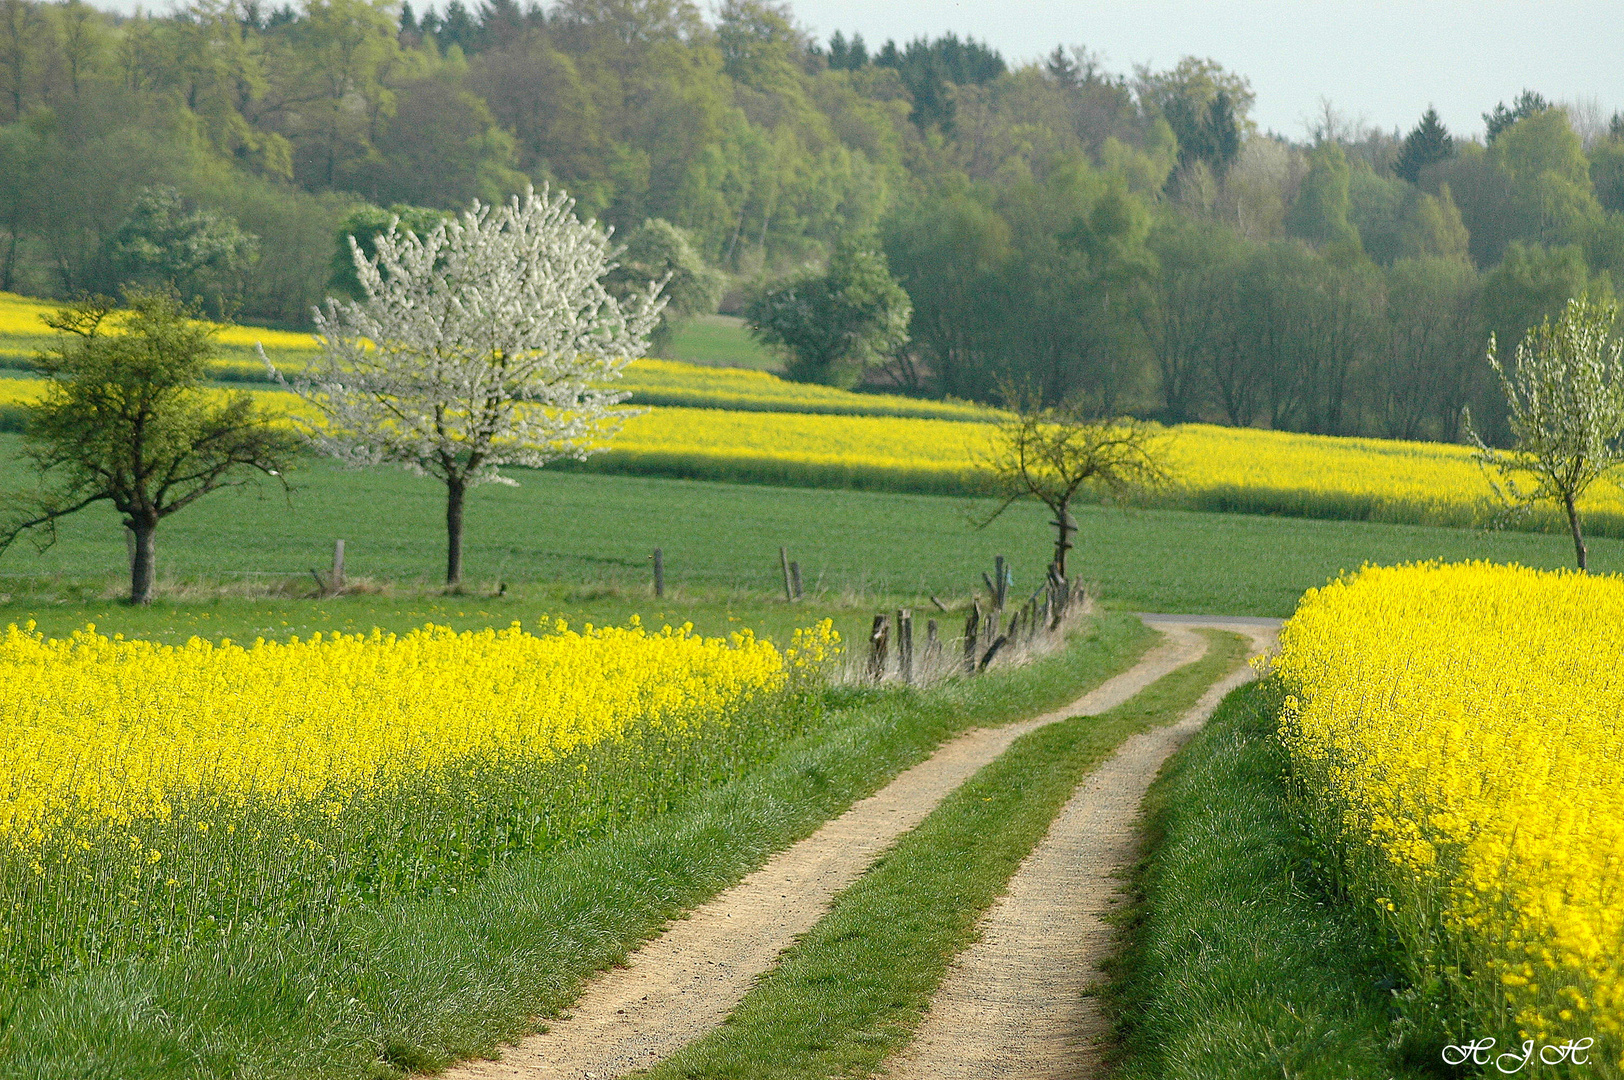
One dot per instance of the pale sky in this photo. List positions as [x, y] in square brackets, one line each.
[1383, 61]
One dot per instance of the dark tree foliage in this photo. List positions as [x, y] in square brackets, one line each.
[836, 326]
[930, 68]
[169, 242]
[1428, 143]
[1210, 133]
[846, 55]
[1527, 104]
[365, 226]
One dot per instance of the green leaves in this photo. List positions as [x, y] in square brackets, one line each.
[1566, 401]
[837, 325]
[127, 420]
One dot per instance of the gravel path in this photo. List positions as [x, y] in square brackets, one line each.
[1011, 1006]
[684, 983]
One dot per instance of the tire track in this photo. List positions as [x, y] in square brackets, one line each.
[1011, 1006]
[683, 984]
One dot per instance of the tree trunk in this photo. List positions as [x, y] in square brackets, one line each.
[144, 564]
[1573, 526]
[455, 490]
[1063, 530]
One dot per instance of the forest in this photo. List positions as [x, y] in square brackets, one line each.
[1131, 240]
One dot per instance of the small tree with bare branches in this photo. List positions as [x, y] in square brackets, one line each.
[1053, 453]
[1566, 400]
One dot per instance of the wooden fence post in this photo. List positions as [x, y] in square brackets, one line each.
[877, 641]
[795, 578]
[783, 559]
[659, 574]
[972, 637]
[337, 580]
[1001, 581]
[905, 652]
[933, 644]
[992, 652]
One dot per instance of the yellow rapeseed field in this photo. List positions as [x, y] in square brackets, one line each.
[1463, 726]
[102, 730]
[1215, 468]
[673, 382]
[725, 423]
[157, 789]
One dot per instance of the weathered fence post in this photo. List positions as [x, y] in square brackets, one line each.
[1001, 581]
[933, 645]
[992, 651]
[783, 559]
[795, 577]
[972, 637]
[878, 638]
[337, 580]
[905, 652]
[659, 574]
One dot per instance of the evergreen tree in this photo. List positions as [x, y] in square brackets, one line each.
[847, 55]
[1527, 104]
[1429, 142]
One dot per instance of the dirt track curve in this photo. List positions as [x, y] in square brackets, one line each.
[685, 982]
[1011, 1006]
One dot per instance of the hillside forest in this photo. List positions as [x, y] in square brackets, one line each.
[1129, 239]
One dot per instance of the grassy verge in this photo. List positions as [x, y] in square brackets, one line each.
[416, 985]
[1241, 963]
[852, 991]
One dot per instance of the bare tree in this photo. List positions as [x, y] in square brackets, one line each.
[485, 343]
[1053, 453]
[1566, 402]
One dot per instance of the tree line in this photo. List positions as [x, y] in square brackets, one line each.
[1128, 240]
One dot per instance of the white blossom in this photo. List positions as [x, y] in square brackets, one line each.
[1565, 397]
[487, 342]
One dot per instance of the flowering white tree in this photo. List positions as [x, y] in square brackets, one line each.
[1566, 402]
[485, 343]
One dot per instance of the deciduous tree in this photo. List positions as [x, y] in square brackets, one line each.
[126, 420]
[837, 325]
[486, 342]
[1566, 400]
[1051, 453]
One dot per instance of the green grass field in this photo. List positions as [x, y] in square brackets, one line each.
[579, 545]
[413, 985]
[853, 989]
[1242, 961]
[721, 340]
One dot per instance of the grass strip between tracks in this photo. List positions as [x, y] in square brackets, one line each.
[422, 984]
[1242, 963]
[853, 989]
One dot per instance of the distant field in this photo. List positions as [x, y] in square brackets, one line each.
[749, 426]
[697, 381]
[720, 340]
[1215, 468]
[579, 545]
